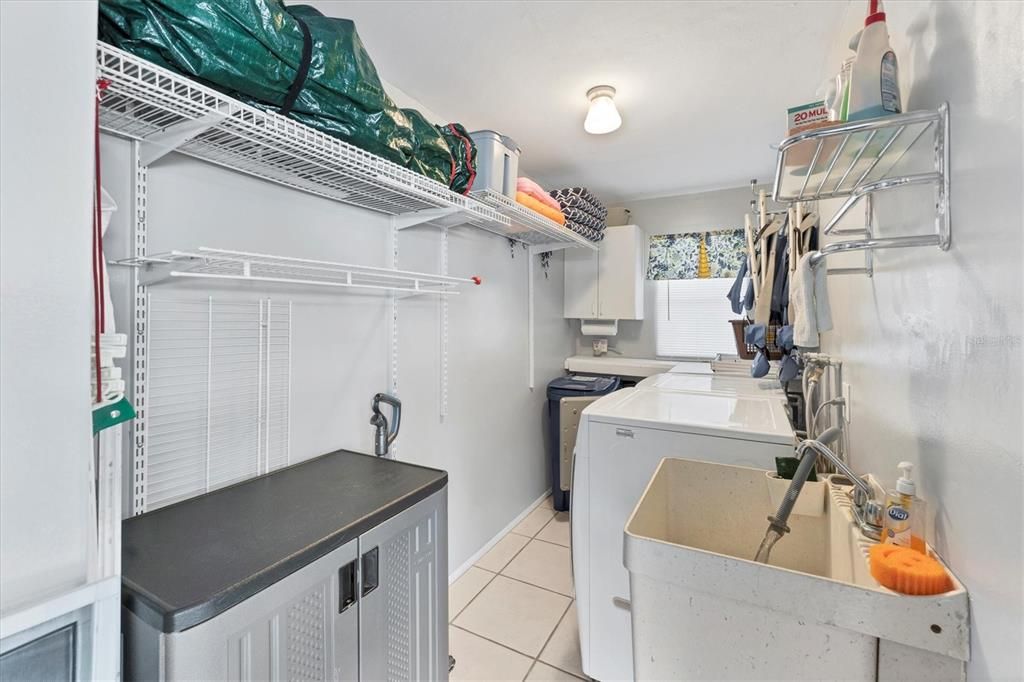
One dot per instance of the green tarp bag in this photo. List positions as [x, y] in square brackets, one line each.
[254, 50]
[463, 151]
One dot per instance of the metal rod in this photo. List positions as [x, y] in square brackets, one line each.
[828, 172]
[856, 159]
[810, 168]
[880, 155]
[879, 186]
[871, 244]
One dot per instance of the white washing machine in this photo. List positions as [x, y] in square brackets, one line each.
[691, 367]
[622, 438]
[713, 383]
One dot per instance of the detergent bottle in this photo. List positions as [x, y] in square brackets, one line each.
[874, 78]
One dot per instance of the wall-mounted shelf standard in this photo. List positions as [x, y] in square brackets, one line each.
[530, 227]
[857, 161]
[167, 112]
[218, 264]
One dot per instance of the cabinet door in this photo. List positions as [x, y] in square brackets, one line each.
[580, 284]
[621, 274]
[303, 627]
[403, 603]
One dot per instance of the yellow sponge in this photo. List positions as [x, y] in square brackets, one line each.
[906, 571]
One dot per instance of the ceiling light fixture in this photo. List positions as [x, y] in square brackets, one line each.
[602, 117]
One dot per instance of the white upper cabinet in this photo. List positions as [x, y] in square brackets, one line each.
[607, 284]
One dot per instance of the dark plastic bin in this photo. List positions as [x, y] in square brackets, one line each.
[572, 386]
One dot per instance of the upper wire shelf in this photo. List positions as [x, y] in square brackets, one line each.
[860, 159]
[528, 226]
[167, 112]
[220, 264]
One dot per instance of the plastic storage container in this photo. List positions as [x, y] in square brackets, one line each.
[497, 162]
[567, 398]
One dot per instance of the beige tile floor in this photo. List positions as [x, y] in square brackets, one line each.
[513, 616]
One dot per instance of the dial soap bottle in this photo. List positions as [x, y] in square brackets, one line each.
[904, 513]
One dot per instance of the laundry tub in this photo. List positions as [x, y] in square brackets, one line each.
[701, 608]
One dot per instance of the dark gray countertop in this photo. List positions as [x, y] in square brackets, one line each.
[187, 562]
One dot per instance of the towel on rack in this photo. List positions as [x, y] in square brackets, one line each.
[581, 217]
[528, 186]
[809, 308]
[582, 198]
[543, 209]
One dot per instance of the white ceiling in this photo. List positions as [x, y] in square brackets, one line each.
[703, 87]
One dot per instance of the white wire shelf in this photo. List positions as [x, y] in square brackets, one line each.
[170, 112]
[219, 264]
[858, 160]
[529, 226]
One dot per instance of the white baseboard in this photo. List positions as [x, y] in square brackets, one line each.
[454, 575]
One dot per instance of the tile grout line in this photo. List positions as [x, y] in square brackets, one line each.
[548, 641]
[495, 575]
[570, 597]
[451, 619]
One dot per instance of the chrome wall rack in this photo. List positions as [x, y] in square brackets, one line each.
[857, 161]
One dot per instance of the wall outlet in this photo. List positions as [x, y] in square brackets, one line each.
[848, 407]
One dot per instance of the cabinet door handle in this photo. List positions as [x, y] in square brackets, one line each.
[347, 586]
[371, 571]
[625, 433]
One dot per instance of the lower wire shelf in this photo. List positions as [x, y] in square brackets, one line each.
[221, 264]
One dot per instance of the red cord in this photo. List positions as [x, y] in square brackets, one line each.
[98, 307]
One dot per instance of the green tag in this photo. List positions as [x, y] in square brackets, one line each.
[105, 416]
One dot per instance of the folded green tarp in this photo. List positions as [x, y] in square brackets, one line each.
[255, 49]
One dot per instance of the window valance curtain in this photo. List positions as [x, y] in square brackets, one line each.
[696, 255]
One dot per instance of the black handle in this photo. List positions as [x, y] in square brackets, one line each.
[371, 572]
[347, 586]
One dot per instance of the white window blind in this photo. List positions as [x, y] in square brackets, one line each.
[218, 394]
[692, 318]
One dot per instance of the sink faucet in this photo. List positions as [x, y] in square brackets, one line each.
[383, 437]
[866, 509]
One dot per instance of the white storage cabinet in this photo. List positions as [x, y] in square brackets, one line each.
[607, 284]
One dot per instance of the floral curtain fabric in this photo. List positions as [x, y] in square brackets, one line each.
[680, 256]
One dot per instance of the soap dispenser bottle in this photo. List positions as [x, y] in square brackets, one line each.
[904, 513]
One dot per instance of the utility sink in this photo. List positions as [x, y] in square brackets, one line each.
[702, 608]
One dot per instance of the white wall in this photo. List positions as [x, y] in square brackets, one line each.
[932, 344]
[45, 295]
[491, 442]
[717, 210]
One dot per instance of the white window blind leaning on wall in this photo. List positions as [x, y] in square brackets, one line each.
[218, 394]
[692, 317]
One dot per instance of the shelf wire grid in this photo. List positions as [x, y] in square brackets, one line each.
[529, 226]
[144, 100]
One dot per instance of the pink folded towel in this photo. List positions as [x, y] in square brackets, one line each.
[528, 186]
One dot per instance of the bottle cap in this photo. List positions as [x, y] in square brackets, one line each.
[905, 484]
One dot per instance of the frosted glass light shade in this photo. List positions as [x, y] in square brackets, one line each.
[602, 117]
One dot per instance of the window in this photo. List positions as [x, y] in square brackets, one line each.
[693, 273]
[692, 317]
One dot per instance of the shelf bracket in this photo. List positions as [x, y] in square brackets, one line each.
[544, 248]
[159, 145]
[446, 216]
[154, 273]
